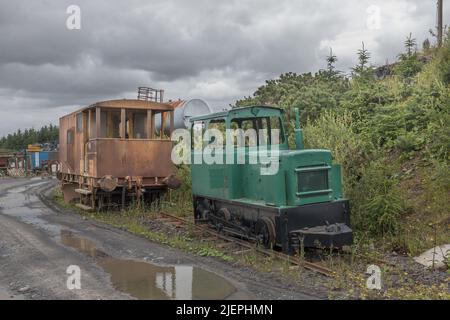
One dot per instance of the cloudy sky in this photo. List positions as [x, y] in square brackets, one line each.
[210, 49]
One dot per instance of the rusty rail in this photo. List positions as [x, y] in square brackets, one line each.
[250, 246]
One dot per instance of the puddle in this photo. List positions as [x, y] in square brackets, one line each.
[144, 280]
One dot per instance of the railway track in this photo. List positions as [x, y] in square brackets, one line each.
[241, 246]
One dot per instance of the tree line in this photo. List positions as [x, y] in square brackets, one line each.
[19, 140]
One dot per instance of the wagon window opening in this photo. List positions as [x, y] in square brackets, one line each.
[110, 124]
[79, 122]
[70, 136]
[139, 125]
[158, 121]
[135, 125]
[163, 125]
[92, 120]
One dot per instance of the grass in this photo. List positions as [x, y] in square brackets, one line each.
[427, 225]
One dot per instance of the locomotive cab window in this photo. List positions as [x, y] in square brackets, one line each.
[197, 131]
[217, 124]
[259, 130]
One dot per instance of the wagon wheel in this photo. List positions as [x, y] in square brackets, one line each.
[265, 232]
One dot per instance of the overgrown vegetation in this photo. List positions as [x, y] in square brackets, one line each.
[392, 136]
[134, 220]
[182, 196]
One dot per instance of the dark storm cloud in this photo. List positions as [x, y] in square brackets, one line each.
[217, 50]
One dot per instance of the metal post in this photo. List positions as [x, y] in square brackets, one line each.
[163, 124]
[298, 131]
[149, 124]
[440, 28]
[98, 125]
[123, 128]
[89, 124]
[172, 122]
[153, 124]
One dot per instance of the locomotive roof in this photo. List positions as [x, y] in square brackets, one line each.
[127, 104]
[224, 114]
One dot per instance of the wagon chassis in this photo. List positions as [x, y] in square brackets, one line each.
[91, 194]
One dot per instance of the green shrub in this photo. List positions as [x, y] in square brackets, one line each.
[336, 132]
[377, 203]
[409, 65]
[408, 141]
[383, 211]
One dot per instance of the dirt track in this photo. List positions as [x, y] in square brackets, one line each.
[38, 242]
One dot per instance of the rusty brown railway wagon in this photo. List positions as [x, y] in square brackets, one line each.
[111, 152]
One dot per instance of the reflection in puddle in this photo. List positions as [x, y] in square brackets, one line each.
[143, 280]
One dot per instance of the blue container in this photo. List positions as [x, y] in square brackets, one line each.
[38, 157]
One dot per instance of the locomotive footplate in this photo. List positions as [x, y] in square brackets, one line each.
[327, 236]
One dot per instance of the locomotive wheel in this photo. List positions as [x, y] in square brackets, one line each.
[225, 213]
[201, 211]
[205, 214]
[265, 232]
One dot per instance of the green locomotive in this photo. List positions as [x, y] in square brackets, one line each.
[298, 203]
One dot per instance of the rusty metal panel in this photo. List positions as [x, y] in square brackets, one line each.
[133, 157]
[70, 154]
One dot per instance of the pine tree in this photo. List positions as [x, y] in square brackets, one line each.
[331, 60]
[409, 63]
[363, 59]
[410, 45]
